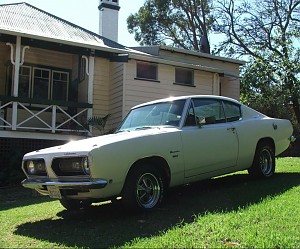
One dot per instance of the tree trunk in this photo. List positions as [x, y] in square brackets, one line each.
[296, 107]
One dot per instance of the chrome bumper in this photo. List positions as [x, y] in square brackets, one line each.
[43, 184]
[292, 139]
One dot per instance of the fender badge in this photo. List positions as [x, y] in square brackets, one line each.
[70, 153]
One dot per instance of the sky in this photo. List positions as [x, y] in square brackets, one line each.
[85, 14]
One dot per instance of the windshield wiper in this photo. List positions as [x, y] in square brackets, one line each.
[145, 127]
[119, 131]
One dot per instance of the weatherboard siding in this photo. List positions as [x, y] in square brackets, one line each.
[101, 87]
[138, 91]
[116, 95]
[40, 57]
[230, 87]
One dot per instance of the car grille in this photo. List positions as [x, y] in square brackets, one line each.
[73, 166]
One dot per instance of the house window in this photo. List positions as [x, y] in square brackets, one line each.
[24, 81]
[43, 83]
[184, 76]
[60, 85]
[145, 70]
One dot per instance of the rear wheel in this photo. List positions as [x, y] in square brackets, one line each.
[263, 165]
[72, 204]
[144, 188]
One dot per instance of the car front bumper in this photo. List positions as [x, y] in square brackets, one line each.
[59, 189]
[41, 184]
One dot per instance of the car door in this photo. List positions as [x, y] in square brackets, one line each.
[209, 142]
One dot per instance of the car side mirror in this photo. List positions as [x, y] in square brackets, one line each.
[201, 121]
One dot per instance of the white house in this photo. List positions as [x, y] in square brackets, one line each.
[55, 76]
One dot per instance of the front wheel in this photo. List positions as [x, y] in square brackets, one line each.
[144, 188]
[263, 165]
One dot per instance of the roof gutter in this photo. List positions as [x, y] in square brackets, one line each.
[155, 59]
[200, 54]
[66, 42]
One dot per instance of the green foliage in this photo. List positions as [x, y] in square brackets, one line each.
[267, 32]
[98, 122]
[11, 172]
[173, 22]
[260, 92]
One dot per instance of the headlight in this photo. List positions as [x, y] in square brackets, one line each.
[71, 166]
[86, 166]
[31, 168]
[36, 167]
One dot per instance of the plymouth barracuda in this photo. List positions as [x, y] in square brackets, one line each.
[159, 145]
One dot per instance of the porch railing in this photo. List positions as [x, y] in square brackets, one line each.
[26, 114]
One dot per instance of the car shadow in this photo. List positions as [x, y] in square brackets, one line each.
[10, 197]
[109, 225]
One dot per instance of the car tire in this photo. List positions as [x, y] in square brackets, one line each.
[72, 204]
[144, 188]
[263, 165]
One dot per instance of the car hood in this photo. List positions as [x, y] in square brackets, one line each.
[86, 145]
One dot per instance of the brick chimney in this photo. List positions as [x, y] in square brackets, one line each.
[108, 19]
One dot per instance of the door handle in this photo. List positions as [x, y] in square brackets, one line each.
[231, 128]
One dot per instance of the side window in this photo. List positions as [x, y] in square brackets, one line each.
[232, 111]
[191, 117]
[208, 111]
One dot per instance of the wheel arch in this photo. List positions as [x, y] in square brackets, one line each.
[159, 162]
[267, 140]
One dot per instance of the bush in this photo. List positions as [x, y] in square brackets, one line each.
[11, 172]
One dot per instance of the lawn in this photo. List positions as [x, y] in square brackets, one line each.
[231, 211]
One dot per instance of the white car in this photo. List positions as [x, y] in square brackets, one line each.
[160, 144]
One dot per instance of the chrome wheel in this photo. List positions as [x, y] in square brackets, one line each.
[148, 191]
[266, 162]
[263, 165]
[144, 188]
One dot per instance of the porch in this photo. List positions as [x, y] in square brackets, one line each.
[43, 119]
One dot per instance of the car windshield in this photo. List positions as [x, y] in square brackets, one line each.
[158, 114]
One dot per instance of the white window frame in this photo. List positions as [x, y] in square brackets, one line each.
[33, 79]
[29, 80]
[67, 82]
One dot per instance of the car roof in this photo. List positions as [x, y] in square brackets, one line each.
[188, 97]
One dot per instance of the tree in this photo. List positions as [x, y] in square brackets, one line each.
[267, 31]
[260, 92]
[179, 23]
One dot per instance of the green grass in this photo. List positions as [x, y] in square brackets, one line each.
[230, 211]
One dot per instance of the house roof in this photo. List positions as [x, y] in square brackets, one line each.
[23, 19]
[29, 21]
[155, 50]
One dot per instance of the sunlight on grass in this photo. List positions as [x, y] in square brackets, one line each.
[231, 211]
[272, 223]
